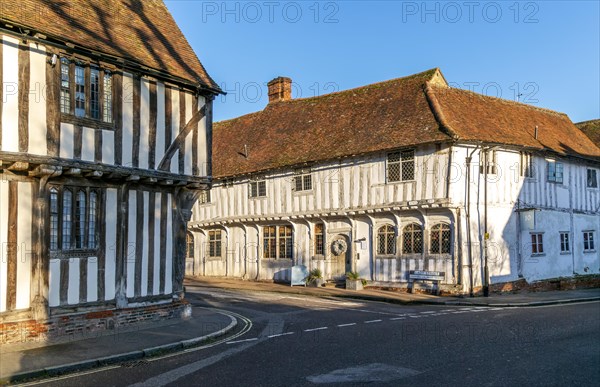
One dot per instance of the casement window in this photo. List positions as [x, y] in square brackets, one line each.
[257, 189]
[214, 244]
[86, 91]
[537, 243]
[592, 178]
[490, 163]
[555, 171]
[440, 239]
[74, 219]
[189, 243]
[588, 241]
[277, 242]
[565, 242]
[319, 239]
[204, 197]
[412, 239]
[401, 166]
[303, 181]
[526, 164]
[386, 240]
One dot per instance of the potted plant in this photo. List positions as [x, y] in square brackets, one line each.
[354, 282]
[315, 278]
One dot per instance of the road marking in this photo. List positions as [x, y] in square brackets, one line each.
[242, 341]
[428, 312]
[346, 325]
[315, 329]
[281, 334]
[398, 318]
[372, 321]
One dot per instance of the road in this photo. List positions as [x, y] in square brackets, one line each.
[293, 340]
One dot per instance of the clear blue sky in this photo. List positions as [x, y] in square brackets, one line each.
[547, 52]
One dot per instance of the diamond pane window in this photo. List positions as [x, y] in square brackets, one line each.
[440, 239]
[386, 240]
[319, 239]
[65, 87]
[412, 239]
[79, 91]
[401, 166]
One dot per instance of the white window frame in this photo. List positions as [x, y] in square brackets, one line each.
[590, 242]
[527, 167]
[404, 158]
[257, 188]
[565, 241]
[552, 173]
[302, 181]
[491, 164]
[539, 244]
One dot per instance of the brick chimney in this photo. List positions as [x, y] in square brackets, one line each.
[280, 89]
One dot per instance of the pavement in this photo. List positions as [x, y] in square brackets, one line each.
[19, 362]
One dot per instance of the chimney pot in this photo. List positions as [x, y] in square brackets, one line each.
[280, 89]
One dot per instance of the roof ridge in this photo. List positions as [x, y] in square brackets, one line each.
[504, 100]
[587, 122]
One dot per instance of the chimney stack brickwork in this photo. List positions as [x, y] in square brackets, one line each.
[280, 89]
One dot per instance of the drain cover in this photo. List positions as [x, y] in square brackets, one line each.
[134, 363]
[374, 372]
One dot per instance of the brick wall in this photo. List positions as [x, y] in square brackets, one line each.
[87, 325]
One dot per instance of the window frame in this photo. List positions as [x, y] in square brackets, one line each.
[590, 242]
[215, 244]
[591, 184]
[491, 162]
[386, 240]
[303, 179]
[319, 243]
[412, 232]
[204, 197]
[443, 248]
[190, 245]
[72, 234]
[565, 242]
[257, 189]
[552, 173]
[401, 162]
[527, 165]
[537, 245]
[275, 245]
[78, 93]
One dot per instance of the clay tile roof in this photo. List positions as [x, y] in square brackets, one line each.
[376, 117]
[591, 129]
[389, 115]
[475, 117]
[139, 31]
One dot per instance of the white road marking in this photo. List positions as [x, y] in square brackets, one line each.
[346, 325]
[315, 329]
[242, 341]
[398, 318]
[428, 312]
[372, 321]
[281, 334]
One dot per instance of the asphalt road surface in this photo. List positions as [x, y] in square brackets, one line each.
[292, 340]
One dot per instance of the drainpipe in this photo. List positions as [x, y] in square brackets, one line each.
[371, 247]
[468, 217]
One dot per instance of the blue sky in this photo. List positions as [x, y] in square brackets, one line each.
[545, 53]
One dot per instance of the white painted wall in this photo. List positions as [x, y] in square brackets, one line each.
[10, 94]
[37, 100]
[3, 242]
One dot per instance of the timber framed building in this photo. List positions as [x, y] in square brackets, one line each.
[105, 144]
[390, 178]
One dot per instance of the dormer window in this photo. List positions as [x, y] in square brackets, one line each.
[85, 91]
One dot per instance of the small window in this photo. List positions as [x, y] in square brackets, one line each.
[555, 171]
[592, 178]
[204, 197]
[303, 181]
[189, 242]
[526, 165]
[537, 243]
[319, 239]
[588, 241]
[74, 219]
[214, 244]
[412, 239]
[565, 243]
[490, 164]
[79, 91]
[386, 240]
[285, 242]
[54, 214]
[95, 93]
[440, 239]
[401, 166]
[269, 242]
[258, 189]
[107, 105]
[65, 87]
